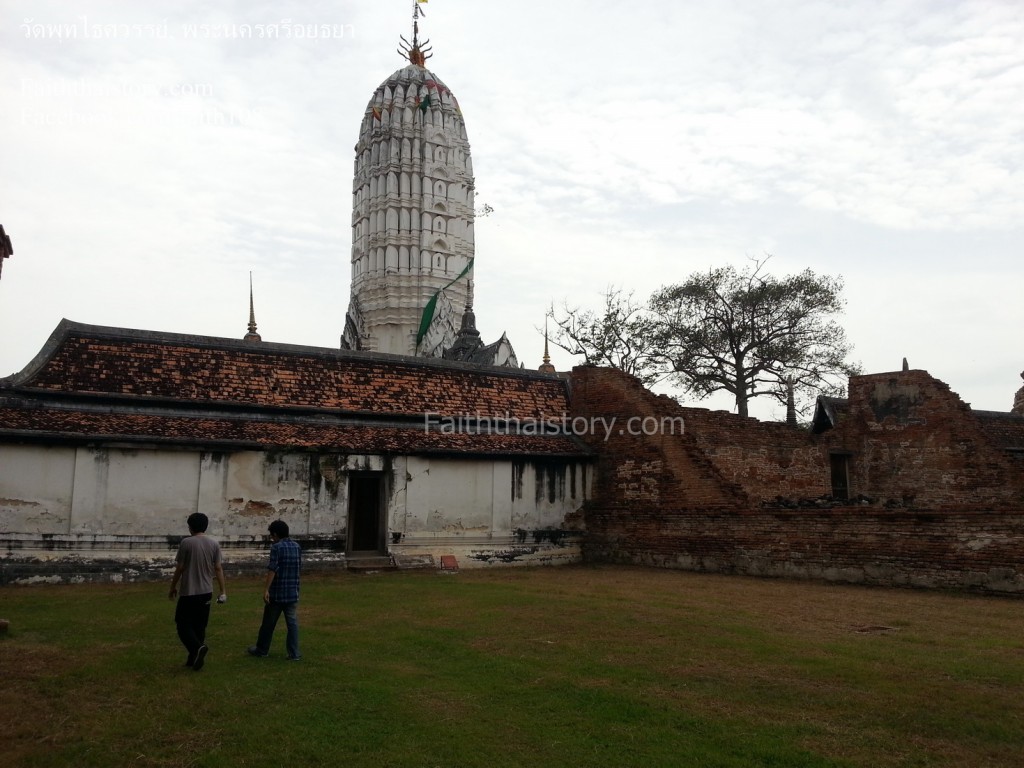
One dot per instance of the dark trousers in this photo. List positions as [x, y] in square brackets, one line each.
[191, 615]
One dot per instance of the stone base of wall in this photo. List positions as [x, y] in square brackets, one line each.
[86, 558]
[542, 547]
[27, 558]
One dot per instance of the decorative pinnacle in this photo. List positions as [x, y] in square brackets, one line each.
[546, 366]
[790, 402]
[413, 52]
[252, 335]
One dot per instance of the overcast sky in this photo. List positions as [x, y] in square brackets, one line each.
[146, 170]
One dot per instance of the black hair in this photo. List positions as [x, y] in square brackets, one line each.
[198, 522]
[279, 528]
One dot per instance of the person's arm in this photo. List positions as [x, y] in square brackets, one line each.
[174, 581]
[266, 588]
[272, 565]
[219, 572]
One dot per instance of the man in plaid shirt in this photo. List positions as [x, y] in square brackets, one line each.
[281, 594]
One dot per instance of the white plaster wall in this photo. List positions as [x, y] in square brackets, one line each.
[545, 492]
[213, 483]
[328, 495]
[434, 506]
[501, 499]
[449, 497]
[490, 512]
[132, 492]
[259, 488]
[35, 488]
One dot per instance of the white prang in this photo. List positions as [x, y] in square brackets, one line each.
[412, 217]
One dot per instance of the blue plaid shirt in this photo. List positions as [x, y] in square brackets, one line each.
[285, 562]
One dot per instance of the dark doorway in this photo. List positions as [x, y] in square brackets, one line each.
[840, 475]
[366, 513]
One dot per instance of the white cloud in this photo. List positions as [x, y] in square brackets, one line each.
[626, 144]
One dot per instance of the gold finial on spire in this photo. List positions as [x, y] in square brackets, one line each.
[413, 52]
[252, 335]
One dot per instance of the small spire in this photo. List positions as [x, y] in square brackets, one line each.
[468, 315]
[906, 365]
[251, 335]
[546, 366]
[790, 403]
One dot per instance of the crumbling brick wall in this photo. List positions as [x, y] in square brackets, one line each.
[737, 495]
[716, 459]
[915, 443]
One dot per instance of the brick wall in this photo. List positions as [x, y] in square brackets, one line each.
[719, 459]
[974, 549]
[915, 443]
[944, 506]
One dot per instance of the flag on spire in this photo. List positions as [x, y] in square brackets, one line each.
[428, 311]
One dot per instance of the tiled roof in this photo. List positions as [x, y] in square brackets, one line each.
[827, 412]
[120, 385]
[1005, 430]
[62, 424]
[114, 361]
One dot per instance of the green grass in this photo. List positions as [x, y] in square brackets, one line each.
[519, 667]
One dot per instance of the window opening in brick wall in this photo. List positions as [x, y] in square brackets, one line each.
[840, 475]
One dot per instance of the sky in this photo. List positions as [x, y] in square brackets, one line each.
[150, 161]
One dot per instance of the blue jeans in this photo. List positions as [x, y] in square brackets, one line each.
[271, 613]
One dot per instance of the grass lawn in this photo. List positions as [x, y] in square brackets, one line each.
[575, 666]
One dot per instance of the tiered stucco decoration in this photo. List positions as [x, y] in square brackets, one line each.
[412, 215]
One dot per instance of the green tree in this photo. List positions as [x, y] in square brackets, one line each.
[748, 332]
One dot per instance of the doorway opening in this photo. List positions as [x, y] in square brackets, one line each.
[366, 514]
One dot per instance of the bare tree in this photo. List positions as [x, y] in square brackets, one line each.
[620, 336]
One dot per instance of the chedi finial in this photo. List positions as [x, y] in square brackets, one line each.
[251, 335]
[414, 52]
[546, 366]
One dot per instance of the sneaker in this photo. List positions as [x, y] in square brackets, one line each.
[252, 650]
[200, 658]
[294, 658]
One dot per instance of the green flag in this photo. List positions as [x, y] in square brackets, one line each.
[428, 311]
[425, 103]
